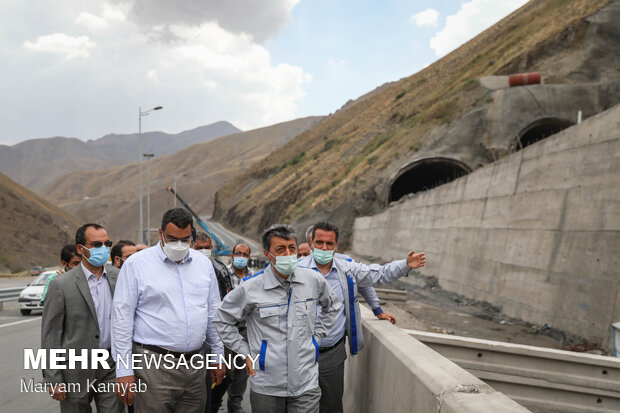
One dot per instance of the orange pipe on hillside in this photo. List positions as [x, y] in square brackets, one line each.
[522, 79]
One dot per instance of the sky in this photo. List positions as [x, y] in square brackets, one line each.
[84, 68]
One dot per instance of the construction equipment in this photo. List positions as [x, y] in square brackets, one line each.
[219, 248]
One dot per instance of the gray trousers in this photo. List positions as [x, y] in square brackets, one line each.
[105, 401]
[331, 378]
[307, 402]
[170, 390]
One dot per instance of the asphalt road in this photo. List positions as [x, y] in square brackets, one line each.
[16, 333]
[230, 238]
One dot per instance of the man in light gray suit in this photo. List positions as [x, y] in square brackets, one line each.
[77, 316]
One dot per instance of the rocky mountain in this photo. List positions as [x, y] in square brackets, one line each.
[34, 230]
[36, 162]
[441, 119]
[110, 196]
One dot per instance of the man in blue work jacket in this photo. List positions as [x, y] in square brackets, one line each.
[345, 278]
[279, 306]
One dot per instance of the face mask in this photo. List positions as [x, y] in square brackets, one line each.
[98, 256]
[207, 253]
[240, 262]
[176, 250]
[286, 264]
[323, 257]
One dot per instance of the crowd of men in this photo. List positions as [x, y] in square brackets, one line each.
[296, 318]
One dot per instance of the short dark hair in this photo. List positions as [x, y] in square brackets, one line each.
[179, 217]
[241, 243]
[202, 236]
[325, 226]
[117, 249]
[80, 234]
[309, 231]
[67, 252]
[277, 230]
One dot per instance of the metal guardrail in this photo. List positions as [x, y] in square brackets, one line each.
[542, 379]
[10, 294]
[388, 294]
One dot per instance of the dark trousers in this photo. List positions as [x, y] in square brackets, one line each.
[216, 394]
[331, 378]
[235, 384]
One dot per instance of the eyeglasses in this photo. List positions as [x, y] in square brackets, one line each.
[98, 244]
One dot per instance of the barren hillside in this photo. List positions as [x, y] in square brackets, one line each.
[110, 196]
[338, 169]
[34, 230]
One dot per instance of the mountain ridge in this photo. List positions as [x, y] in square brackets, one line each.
[36, 162]
[109, 196]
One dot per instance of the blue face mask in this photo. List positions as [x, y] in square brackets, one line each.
[240, 262]
[323, 257]
[98, 256]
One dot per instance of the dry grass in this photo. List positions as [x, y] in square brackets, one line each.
[342, 159]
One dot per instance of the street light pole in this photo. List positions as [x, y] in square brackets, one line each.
[140, 116]
[148, 157]
[175, 191]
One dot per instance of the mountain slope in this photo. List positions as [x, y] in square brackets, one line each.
[338, 169]
[36, 162]
[34, 230]
[110, 196]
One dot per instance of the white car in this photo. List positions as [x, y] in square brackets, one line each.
[30, 297]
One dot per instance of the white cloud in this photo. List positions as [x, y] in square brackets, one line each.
[334, 62]
[472, 18]
[90, 20]
[237, 66]
[109, 16]
[258, 18]
[200, 73]
[61, 43]
[427, 17]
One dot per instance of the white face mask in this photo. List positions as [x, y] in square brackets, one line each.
[176, 250]
[206, 252]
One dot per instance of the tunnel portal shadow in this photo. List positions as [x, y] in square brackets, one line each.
[425, 174]
[539, 130]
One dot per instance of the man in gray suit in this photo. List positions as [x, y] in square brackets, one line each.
[77, 316]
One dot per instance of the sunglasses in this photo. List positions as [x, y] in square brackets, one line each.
[98, 244]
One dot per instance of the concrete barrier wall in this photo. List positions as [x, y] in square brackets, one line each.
[536, 233]
[396, 373]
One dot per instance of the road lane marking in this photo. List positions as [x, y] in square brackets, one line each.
[19, 322]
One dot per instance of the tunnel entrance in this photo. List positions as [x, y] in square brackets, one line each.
[425, 174]
[539, 130]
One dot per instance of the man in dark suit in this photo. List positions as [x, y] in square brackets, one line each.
[77, 315]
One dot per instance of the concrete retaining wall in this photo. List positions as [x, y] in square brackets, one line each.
[536, 233]
[396, 373]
